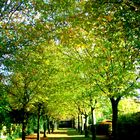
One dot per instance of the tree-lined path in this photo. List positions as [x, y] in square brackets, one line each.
[76, 60]
[64, 134]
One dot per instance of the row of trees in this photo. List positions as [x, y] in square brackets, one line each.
[58, 54]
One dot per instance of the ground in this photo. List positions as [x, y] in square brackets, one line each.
[64, 134]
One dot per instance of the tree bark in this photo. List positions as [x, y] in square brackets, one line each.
[48, 125]
[73, 123]
[93, 127]
[85, 126]
[24, 123]
[78, 123]
[38, 123]
[114, 103]
[81, 127]
[45, 128]
[23, 129]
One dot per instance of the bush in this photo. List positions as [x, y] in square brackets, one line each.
[129, 126]
[104, 128]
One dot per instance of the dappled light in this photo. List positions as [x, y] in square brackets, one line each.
[64, 134]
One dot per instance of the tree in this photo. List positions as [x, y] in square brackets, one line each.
[29, 73]
[102, 40]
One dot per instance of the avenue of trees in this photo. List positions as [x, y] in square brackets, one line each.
[61, 58]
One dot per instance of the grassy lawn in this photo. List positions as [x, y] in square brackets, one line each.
[70, 134]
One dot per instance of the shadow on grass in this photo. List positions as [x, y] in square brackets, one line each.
[59, 133]
[66, 134]
[75, 138]
[70, 138]
[55, 132]
[72, 134]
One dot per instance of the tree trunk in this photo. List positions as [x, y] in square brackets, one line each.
[81, 127]
[85, 126]
[52, 125]
[48, 125]
[24, 123]
[38, 123]
[114, 103]
[78, 123]
[45, 127]
[93, 126]
[73, 123]
[23, 129]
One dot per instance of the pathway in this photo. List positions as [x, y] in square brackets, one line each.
[64, 134]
